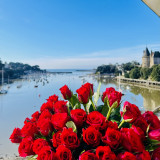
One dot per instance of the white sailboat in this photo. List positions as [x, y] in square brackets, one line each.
[2, 91]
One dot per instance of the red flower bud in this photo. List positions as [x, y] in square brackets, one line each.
[131, 111]
[112, 96]
[67, 94]
[16, 136]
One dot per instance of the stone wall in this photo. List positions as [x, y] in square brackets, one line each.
[145, 62]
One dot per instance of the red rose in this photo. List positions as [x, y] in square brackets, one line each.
[78, 116]
[56, 140]
[48, 105]
[67, 94]
[25, 147]
[89, 87]
[112, 96]
[69, 138]
[154, 134]
[110, 156]
[35, 116]
[53, 99]
[83, 95]
[101, 150]
[139, 131]
[131, 141]
[29, 129]
[143, 156]
[92, 136]
[63, 153]
[131, 111]
[46, 154]
[113, 125]
[45, 126]
[156, 154]
[45, 115]
[97, 120]
[60, 107]
[141, 123]
[126, 156]
[112, 138]
[39, 144]
[109, 91]
[88, 155]
[16, 136]
[59, 120]
[27, 120]
[152, 120]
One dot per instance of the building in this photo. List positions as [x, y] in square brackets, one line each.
[150, 59]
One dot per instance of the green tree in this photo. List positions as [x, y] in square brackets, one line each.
[106, 69]
[155, 75]
[126, 75]
[127, 66]
[135, 73]
[145, 72]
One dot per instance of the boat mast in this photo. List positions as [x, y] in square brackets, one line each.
[119, 83]
[2, 77]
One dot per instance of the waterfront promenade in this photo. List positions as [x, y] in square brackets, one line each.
[138, 81]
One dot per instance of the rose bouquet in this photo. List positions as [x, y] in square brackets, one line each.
[78, 128]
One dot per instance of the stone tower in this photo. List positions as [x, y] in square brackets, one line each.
[146, 58]
[154, 58]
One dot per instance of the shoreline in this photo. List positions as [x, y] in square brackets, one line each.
[137, 82]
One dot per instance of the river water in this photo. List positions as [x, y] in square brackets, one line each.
[20, 103]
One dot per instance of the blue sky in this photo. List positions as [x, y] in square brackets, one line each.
[76, 33]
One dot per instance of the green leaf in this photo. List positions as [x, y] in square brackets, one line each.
[97, 94]
[154, 142]
[99, 108]
[115, 114]
[40, 136]
[91, 108]
[114, 105]
[74, 101]
[69, 107]
[32, 157]
[147, 130]
[53, 133]
[88, 105]
[77, 106]
[71, 124]
[105, 110]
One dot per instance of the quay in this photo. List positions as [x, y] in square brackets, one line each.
[138, 81]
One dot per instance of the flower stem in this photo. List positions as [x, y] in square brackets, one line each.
[109, 113]
[71, 104]
[94, 107]
[85, 107]
[120, 125]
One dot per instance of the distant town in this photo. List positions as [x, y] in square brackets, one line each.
[14, 70]
[148, 70]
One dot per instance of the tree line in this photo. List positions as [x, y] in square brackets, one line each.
[131, 70]
[152, 73]
[16, 69]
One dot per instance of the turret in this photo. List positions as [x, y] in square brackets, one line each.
[146, 58]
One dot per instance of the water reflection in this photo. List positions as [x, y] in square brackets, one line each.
[150, 96]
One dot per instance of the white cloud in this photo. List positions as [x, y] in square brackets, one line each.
[92, 60]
